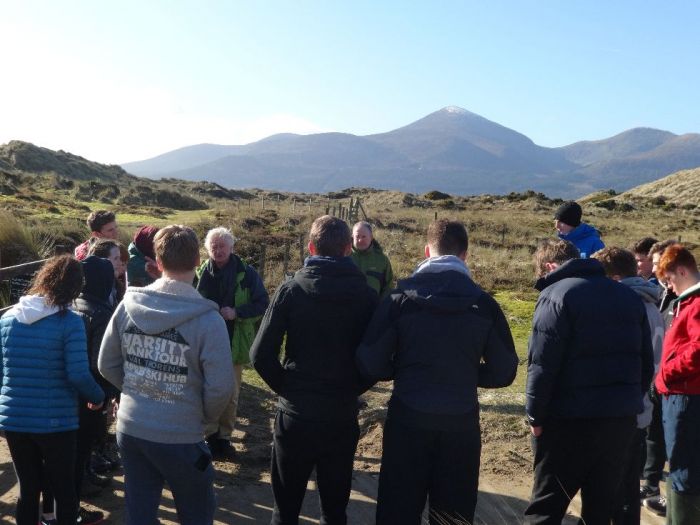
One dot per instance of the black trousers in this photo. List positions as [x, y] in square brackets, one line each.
[417, 463]
[627, 508]
[579, 454]
[52, 454]
[93, 424]
[655, 447]
[298, 447]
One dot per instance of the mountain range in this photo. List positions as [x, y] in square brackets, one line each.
[453, 150]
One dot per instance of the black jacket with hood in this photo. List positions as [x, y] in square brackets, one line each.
[439, 337]
[95, 310]
[323, 312]
[590, 353]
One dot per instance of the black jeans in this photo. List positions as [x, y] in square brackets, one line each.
[419, 463]
[299, 446]
[54, 455]
[579, 454]
[655, 447]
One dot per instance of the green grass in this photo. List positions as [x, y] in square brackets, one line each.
[518, 308]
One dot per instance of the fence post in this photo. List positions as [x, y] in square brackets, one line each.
[435, 215]
[301, 249]
[285, 263]
[503, 234]
[294, 205]
[262, 201]
[261, 268]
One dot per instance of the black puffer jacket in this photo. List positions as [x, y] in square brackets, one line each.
[439, 337]
[323, 311]
[590, 352]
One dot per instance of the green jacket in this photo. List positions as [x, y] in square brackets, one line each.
[136, 274]
[376, 267]
[237, 285]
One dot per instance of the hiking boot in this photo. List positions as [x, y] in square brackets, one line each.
[88, 490]
[90, 517]
[96, 479]
[656, 505]
[110, 456]
[226, 451]
[214, 444]
[100, 464]
[648, 491]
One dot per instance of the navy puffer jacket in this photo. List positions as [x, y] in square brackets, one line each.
[590, 352]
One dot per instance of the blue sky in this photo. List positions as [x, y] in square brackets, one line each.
[118, 82]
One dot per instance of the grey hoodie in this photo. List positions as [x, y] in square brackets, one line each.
[167, 349]
[650, 293]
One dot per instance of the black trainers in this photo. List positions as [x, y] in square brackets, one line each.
[648, 491]
[656, 505]
[96, 479]
[90, 517]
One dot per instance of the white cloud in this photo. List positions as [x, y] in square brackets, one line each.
[59, 102]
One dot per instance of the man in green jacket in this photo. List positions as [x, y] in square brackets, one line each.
[370, 259]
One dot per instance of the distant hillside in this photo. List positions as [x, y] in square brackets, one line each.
[60, 183]
[681, 188]
[452, 149]
[23, 156]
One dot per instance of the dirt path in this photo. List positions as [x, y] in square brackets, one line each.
[243, 487]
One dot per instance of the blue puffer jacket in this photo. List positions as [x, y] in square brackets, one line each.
[44, 368]
[586, 238]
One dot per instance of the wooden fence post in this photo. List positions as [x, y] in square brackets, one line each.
[262, 201]
[301, 248]
[261, 264]
[285, 263]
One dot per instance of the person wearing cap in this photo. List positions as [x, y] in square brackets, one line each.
[141, 269]
[567, 221]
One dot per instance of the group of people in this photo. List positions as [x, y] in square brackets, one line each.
[609, 397]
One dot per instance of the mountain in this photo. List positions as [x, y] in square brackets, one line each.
[452, 149]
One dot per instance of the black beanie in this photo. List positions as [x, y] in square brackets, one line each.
[569, 213]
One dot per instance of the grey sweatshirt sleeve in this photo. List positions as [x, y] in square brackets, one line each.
[110, 361]
[218, 380]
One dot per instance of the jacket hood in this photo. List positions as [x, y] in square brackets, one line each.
[443, 263]
[374, 246]
[31, 308]
[165, 304]
[442, 283]
[99, 277]
[648, 291]
[134, 251]
[693, 290]
[571, 268]
[331, 278]
[581, 231]
[678, 302]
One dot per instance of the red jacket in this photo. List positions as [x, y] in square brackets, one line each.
[81, 251]
[679, 372]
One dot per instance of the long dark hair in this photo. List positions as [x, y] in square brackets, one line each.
[59, 281]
